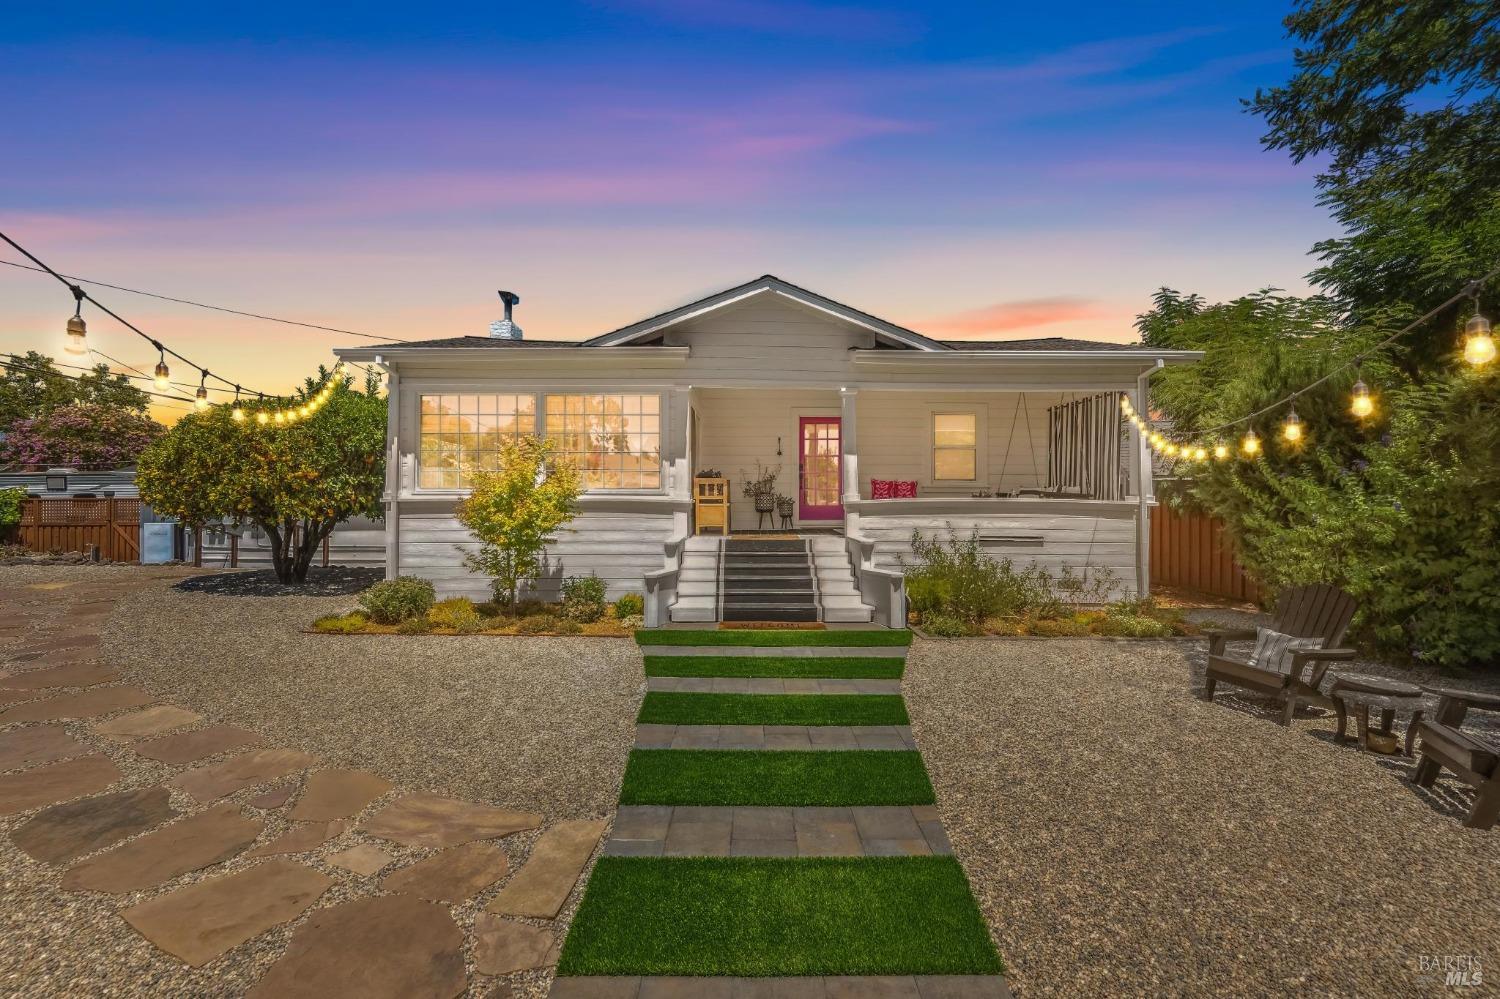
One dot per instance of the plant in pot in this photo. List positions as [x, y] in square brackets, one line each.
[785, 507]
[761, 487]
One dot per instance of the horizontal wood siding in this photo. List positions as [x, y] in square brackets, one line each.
[1084, 542]
[619, 548]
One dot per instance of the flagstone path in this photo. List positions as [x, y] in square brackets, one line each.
[390, 892]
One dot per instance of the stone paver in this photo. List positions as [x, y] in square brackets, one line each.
[300, 838]
[147, 722]
[57, 782]
[35, 649]
[338, 794]
[192, 844]
[392, 946]
[68, 831]
[218, 780]
[543, 883]
[454, 875]
[12, 696]
[502, 946]
[28, 747]
[273, 799]
[190, 747]
[73, 675]
[431, 821]
[768, 685]
[775, 737]
[718, 831]
[363, 859]
[203, 920]
[85, 704]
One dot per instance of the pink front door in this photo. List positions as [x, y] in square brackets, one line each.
[819, 469]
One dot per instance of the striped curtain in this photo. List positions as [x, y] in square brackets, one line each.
[1086, 444]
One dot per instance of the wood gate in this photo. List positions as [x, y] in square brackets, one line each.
[75, 524]
[1189, 550]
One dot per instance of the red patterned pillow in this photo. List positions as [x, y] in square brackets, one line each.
[905, 490]
[882, 488]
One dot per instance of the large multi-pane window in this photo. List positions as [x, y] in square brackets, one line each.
[955, 447]
[460, 433]
[615, 440]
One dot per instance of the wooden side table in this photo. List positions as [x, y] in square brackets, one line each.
[1363, 692]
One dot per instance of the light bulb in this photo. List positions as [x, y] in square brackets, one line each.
[304, 412]
[1479, 342]
[1221, 452]
[200, 399]
[1251, 443]
[1361, 404]
[237, 414]
[1292, 429]
[1170, 449]
[163, 375]
[280, 417]
[262, 418]
[1199, 454]
[77, 342]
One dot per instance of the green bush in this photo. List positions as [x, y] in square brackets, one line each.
[583, 598]
[956, 578]
[341, 624]
[544, 624]
[630, 605]
[946, 626]
[414, 626]
[459, 614]
[10, 506]
[927, 594]
[1132, 626]
[396, 600]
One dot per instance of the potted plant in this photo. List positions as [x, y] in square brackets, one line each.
[761, 487]
[785, 507]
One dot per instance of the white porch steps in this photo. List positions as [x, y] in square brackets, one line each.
[838, 592]
[699, 586]
[698, 582]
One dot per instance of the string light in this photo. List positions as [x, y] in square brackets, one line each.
[1251, 444]
[237, 414]
[1479, 341]
[1361, 404]
[262, 418]
[1221, 452]
[163, 373]
[200, 398]
[78, 330]
[1292, 428]
[1199, 454]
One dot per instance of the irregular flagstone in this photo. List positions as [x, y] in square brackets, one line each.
[363, 859]
[194, 843]
[86, 704]
[338, 794]
[58, 782]
[391, 946]
[68, 831]
[28, 747]
[220, 779]
[301, 838]
[11, 696]
[432, 821]
[542, 885]
[81, 674]
[502, 946]
[148, 722]
[203, 920]
[75, 641]
[454, 875]
[190, 747]
[273, 799]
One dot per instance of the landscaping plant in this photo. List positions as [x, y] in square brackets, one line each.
[514, 512]
[393, 601]
[583, 598]
[630, 605]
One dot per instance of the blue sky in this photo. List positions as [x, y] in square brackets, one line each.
[968, 170]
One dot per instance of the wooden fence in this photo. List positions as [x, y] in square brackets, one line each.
[74, 525]
[1189, 550]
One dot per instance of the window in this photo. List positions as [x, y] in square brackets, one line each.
[955, 447]
[615, 440]
[460, 433]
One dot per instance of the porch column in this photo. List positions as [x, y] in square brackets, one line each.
[848, 444]
[392, 472]
[677, 454]
[1144, 486]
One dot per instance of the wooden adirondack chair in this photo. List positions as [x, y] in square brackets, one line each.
[1321, 612]
[1445, 744]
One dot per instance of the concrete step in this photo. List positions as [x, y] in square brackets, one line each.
[771, 597]
[863, 614]
[755, 612]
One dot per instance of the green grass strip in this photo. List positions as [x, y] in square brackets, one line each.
[769, 777]
[674, 708]
[755, 916]
[789, 667]
[772, 637]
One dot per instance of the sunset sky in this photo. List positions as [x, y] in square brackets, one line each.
[966, 170]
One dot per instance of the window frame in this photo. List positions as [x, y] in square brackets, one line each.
[980, 415]
[661, 435]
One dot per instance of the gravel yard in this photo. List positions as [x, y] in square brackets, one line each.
[1124, 838]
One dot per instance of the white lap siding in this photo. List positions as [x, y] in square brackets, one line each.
[618, 547]
[1087, 542]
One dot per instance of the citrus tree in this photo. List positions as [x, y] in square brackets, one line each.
[296, 481]
[515, 510]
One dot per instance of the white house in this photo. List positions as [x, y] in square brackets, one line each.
[1023, 441]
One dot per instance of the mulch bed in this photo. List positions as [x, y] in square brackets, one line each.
[334, 581]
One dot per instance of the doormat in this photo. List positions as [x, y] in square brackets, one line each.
[772, 626]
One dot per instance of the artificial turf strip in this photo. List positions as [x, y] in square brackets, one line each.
[773, 639]
[755, 916]
[789, 667]
[769, 777]
[673, 708]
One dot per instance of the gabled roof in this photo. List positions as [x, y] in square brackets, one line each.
[766, 284]
[473, 340]
[1038, 343]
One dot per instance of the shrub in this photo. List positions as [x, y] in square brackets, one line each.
[946, 626]
[1059, 627]
[10, 506]
[341, 624]
[583, 598]
[458, 614]
[926, 594]
[414, 626]
[630, 605]
[544, 624]
[956, 578]
[633, 621]
[490, 609]
[531, 607]
[1132, 626]
[396, 600]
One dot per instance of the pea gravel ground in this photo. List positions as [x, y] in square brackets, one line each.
[1126, 839]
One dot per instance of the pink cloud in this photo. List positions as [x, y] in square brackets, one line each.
[1008, 316]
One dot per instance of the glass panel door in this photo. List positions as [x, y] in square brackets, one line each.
[819, 469]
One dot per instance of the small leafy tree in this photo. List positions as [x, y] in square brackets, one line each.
[515, 510]
[32, 386]
[297, 481]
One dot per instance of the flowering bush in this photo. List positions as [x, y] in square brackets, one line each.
[80, 436]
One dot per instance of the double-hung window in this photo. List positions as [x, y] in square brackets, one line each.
[955, 447]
